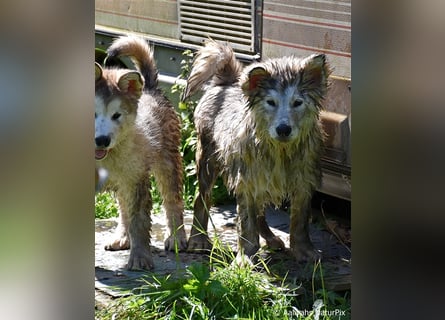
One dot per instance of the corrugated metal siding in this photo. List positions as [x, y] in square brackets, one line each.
[230, 20]
[302, 27]
[153, 17]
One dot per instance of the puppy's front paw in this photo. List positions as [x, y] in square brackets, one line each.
[199, 242]
[121, 243]
[140, 259]
[178, 240]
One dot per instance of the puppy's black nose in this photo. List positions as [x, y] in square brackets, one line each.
[102, 141]
[283, 130]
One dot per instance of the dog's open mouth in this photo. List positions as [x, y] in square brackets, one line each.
[100, 154]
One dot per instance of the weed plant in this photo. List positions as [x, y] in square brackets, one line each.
[105, 206]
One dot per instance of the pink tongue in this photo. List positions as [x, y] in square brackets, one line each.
[100, 154]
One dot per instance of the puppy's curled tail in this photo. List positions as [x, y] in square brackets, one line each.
[214, 61]
[140, 54]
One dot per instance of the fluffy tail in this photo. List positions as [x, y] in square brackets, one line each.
[214, 61]
[140, 54]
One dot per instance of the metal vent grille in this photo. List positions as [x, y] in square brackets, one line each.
[223, 20]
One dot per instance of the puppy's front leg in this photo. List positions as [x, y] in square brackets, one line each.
[121, 240]
[300, 243]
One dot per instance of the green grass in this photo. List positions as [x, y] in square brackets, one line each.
[221, 289]
[105, 206]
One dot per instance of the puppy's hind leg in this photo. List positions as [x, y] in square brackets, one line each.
[273, 242]
[248, 233]
[207, 172]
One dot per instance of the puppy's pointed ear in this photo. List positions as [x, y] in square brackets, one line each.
[97, 71]
[315, 72]
[131, 83]
[254, 78]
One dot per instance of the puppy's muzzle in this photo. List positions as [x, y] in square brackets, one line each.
[283, 130]
[102, 143]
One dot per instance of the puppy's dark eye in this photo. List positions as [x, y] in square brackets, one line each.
[297, 103]
[115, 116]
[271, 103]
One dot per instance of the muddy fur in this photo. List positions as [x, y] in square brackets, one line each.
[259, 128]
[138, 135]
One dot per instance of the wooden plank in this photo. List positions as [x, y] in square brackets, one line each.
[338, 283]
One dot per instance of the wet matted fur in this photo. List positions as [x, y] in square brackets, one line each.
[138, 134]
[259, 128]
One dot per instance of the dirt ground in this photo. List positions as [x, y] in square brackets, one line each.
[328, 235]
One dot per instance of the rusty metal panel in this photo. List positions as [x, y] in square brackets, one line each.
[154, 17]
[302, 27]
